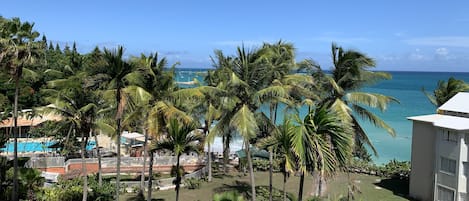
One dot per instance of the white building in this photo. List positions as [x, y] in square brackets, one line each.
[440, 163]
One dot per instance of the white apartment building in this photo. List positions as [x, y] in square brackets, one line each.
[439, 159]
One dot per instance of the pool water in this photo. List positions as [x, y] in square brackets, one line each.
[36, 146]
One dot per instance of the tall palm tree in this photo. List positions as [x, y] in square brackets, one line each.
[350, 73]
[244, 78]
[446, 90]
[77, 105]
[116, 71]
[181, 138]
[19, 49]
[156, 81]
[323, 142]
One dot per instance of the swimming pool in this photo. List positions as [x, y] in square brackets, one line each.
[36, 146]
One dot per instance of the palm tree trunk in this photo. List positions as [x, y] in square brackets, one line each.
[271, 172]
[270, 153]
[320, 184]
[145, 153]
[118, 166]
[209, 152]
[178, 177]
[209, 161]
[284, 185]
[98, 153]
[83, 167]
[300, 190]
[251, 171]
[150, 176]
[15, 136]
[226, 151]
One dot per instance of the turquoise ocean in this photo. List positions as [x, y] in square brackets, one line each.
[404, 86]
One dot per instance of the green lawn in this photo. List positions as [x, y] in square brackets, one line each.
[372, 188]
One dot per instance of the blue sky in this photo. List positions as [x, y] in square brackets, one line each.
[400, 35]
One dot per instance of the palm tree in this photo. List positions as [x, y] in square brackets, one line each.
[281, 142]
[19, 49]
[77, 105]
[446, 90]
[323, 142]
[117, 69]
[32, 180]
[181, 138]
[246, 79]
[351, 73]
[153, 79]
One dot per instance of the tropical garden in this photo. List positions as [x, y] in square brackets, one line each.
[255, 94]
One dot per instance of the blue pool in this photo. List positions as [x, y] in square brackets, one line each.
[36, 146]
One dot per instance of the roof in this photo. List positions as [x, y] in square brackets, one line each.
[23, 121]
[133, 135]
[458, 103]
[444, 121]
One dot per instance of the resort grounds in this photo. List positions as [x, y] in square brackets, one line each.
[372, 188]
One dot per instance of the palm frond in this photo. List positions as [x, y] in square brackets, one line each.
[373, 100]
[245, 123]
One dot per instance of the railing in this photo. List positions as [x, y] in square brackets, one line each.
[43, 162]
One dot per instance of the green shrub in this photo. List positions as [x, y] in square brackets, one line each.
[228, 196]
[192, 183]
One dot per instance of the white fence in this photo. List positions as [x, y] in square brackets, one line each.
[43, 162]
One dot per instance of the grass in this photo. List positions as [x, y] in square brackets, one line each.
[372, 188]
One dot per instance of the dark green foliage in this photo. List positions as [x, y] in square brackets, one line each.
[262, 193]
[228, 196]
[192, 183]
[71, 190]
[30, 181]
[263, 165]
[173, 171]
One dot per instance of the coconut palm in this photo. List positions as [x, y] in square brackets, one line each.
[446, 90]
[32, 180]
[203, 103]
[153, 78]
[77, 105]
[350, 73]
[322, 142]
[18, 50]
[281, 143]
[116, 71]
[181, 138]
[245, 76]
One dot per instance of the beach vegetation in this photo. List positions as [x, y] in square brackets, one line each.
[445, 90]
[102, 91]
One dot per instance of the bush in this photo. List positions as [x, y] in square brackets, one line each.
[263, 165]
[192, 183]
[228, 196]
[262, 194]
[173, 171]
[72, 190]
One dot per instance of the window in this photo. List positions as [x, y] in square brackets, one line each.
[448, 165]
[466, 168]
[450, 136]
[445, 194]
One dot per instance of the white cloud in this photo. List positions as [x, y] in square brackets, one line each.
[417, 55]
[441, 51]
[448, 41]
